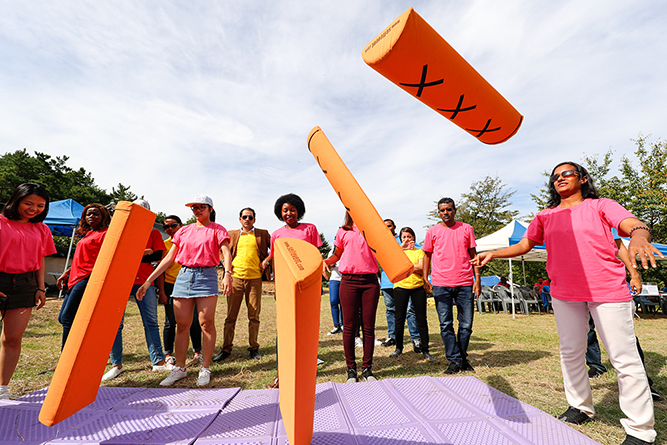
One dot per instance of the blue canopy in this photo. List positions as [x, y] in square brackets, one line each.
[63, 217]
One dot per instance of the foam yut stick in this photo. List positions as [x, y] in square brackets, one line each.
[298, 267]
[81, 366]
[388, 252]
[413, 55]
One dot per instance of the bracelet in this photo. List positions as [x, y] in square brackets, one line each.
[641, 228]
[40, 290]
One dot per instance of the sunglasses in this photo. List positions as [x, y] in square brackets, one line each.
[564, 174]
[197, 208]
[247, 217]
[170, 226]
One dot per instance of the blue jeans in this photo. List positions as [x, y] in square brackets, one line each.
[391, 316]
[148, 311]
[334, 300]
[593, 354]
[445, 299]
[70, 306]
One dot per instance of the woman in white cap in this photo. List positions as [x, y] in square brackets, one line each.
[197, 248]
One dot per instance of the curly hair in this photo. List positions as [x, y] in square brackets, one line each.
[293, 199]
[588, 189]
[11, 209]
[84, 227]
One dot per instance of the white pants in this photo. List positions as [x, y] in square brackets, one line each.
[615, 326]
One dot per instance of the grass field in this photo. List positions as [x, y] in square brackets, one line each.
[519, 357]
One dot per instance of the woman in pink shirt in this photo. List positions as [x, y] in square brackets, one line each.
[197, 248]
[359, 293]
[575, 230]
[24, 242]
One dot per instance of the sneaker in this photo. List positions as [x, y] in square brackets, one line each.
[274, 384]
[466, 366]
[352, 376]
[112, 374]
[319, 361]
[417, 346]
[655, 395]
[396, 353]
[204, 376]
[575, 416]
[222, 356]
[367, 375]
[594, 373]
[428, 357]
[377, 342]
[388, 342]
[336, 330]
[453, 368]
[358, 342]
[163, 368]
[170, 359]
[255, 355]
[174, 376]
[632, 440]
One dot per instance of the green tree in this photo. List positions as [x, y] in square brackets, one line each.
[123, 193]
[325, 248]
[486, 206]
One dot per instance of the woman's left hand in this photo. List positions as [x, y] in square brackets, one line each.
[227, 284]
[40, 299]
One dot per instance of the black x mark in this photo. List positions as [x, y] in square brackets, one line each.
[486, 129]
[458, 108]
[422, 83]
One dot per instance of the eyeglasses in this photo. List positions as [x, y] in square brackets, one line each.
[197, 208]
[247, 217]
[170, 226]
[564, 174]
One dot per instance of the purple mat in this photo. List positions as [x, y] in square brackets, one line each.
[413, 411]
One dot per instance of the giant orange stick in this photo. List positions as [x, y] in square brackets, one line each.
[394, 262]
[298, 267]
[413, 56]
[81, 366]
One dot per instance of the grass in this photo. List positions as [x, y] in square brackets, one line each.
[519, 357]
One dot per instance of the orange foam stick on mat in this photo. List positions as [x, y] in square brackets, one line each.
[415, 57]
[388, 252]
[81, 366]
[298, 267]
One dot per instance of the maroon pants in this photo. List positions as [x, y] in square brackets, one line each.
[359, 295]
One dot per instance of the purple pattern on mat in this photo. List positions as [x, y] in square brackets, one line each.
[412, 411]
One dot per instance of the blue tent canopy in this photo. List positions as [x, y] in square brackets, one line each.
[63, 217]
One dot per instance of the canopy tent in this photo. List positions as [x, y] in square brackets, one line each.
[62, 219]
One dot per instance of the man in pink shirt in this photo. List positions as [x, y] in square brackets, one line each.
[449, 246]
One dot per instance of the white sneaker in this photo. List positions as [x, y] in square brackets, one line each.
[377, 342]
[174, 376]
[204, 376]
[358, 342]
[170, 360]
[163, 368]
[319, 361]
[112, 374]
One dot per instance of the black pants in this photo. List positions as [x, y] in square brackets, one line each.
[401, 299]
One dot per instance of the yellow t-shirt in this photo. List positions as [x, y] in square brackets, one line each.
[246, 262]
[172, 272]
[413, 281]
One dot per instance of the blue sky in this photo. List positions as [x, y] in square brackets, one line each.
[181, 98]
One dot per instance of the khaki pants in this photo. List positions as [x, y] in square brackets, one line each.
[252, 291]
[615, 327]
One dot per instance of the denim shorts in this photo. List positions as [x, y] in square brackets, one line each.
[196, 282]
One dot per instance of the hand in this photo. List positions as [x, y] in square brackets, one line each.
[636, 284]
[40, 299]
[639, 245]
[326, 269]
[427, 286]
[162, 298]
[148, 251]
[477, 287]
[481, 259]
[408, 245]
[227, 284]
[263, 265]
[141, 291]
[59, 281]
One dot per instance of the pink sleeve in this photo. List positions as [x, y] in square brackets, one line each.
[612, 212]
[428, 242]
[221, 235]
[47, 241]
[535, 231]
[471, 236]
[316, 240]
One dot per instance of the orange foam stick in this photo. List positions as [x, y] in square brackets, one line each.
[388, 252]
[81, 366]
[413, 55]
[298, 266]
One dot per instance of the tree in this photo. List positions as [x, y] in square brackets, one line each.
[61, 181]
[325, 248]
[123, 193]
[486, 206]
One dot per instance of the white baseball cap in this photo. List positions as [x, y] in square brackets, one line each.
[200, 199]
[143, 203]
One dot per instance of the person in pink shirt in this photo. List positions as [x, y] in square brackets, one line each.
[24, 242]
[359, 294]
[197, 247]
[576, 231]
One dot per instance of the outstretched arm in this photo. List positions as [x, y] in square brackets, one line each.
[521, 248]
[640, 242]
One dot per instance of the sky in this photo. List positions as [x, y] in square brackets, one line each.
[177, 98]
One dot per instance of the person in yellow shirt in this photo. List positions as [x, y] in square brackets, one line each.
[249, 246]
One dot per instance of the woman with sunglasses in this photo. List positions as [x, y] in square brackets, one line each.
[24, 242]
[165, 283]
[197, 247]
[95, 220]
[575, 229]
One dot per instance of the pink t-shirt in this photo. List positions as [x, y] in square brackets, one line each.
[304, 231]
[23, 245]
[199, 246]
[357, 257]
[450, 260]
[85, 255]
[581, 261]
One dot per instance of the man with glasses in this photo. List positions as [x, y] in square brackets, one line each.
[449, 246]
[249, 247]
